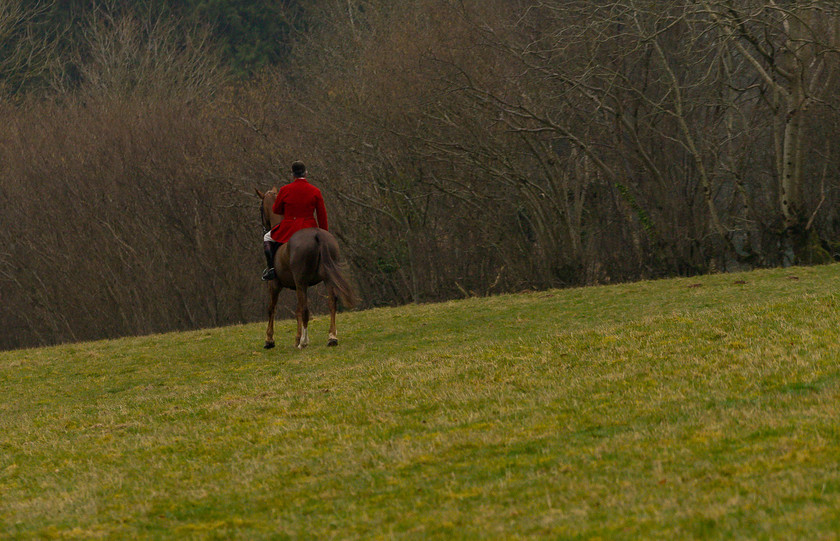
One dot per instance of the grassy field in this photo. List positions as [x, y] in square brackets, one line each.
[689, 408]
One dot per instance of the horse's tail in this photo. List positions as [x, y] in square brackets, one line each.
[332, 273]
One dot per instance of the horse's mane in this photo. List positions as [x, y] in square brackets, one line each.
[267, 202]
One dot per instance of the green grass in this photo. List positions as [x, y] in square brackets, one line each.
[686, 408]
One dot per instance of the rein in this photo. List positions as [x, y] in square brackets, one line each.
[262, 219]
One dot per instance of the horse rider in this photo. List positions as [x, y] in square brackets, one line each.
[300, 203]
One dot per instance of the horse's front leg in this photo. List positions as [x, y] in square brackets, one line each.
[333, 302]
[273, 293]
[302, 314]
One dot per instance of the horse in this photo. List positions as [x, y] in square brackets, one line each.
[310, 257]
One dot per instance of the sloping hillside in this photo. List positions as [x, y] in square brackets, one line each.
[703, 407]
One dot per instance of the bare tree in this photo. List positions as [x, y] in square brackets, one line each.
[124, 54]
[27, 53]
[792, 49]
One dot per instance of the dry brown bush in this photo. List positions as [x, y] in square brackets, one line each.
[120, 218]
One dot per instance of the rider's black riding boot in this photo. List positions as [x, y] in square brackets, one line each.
[270, 249]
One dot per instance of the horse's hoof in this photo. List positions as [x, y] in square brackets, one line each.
[269, 345]
[332, 342]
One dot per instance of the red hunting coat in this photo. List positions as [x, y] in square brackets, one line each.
[299, 202]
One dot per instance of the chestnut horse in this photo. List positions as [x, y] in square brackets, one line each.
[311, 256]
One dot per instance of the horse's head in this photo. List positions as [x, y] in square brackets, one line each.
[267, 216]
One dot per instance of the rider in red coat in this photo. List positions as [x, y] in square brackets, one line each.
[301, 205]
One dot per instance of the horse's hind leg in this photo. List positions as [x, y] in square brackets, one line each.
[273, 293]
[302, 314]
[333, 302]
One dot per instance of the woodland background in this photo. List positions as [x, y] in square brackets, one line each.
[464, 147]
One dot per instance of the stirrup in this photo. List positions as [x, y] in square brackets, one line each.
[268, 274]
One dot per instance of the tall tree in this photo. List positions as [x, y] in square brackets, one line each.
[792, 47]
